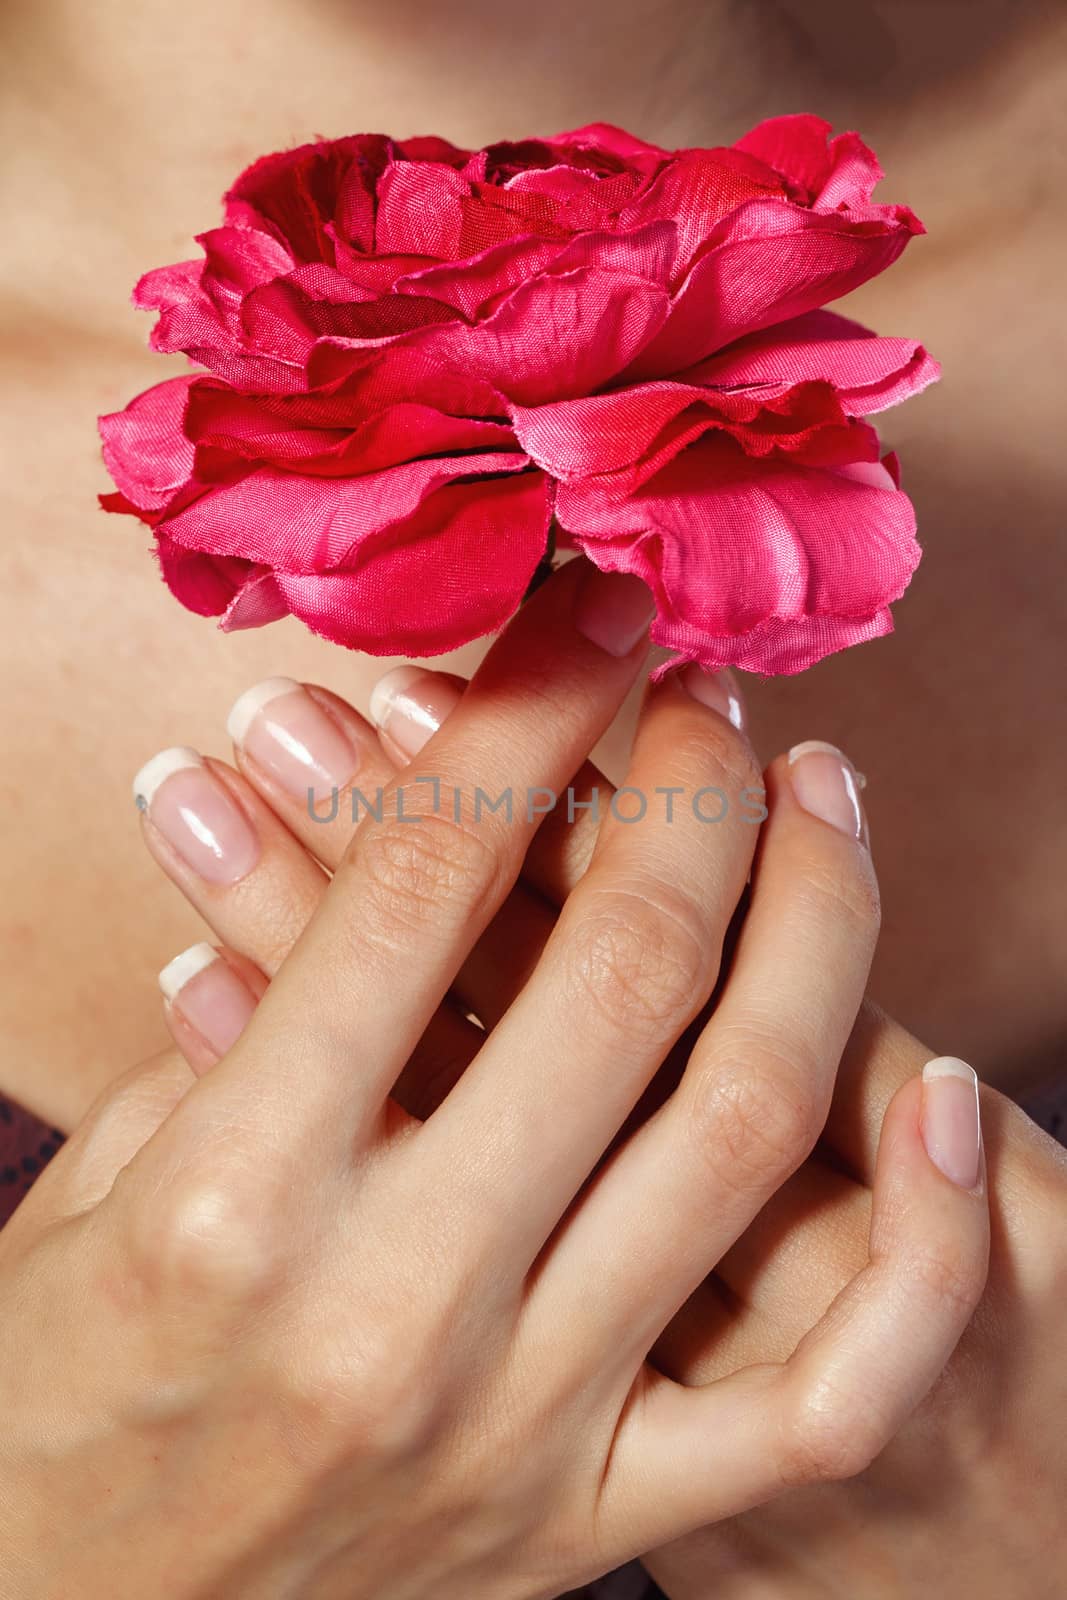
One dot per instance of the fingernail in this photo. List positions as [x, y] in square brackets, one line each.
[950, 1119]
[288, 734]
[825, 783]
[719, 690]
[613, 609]
[206, 991]
[196, 815]
[409, 705]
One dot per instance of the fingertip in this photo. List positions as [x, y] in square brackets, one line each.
[209, 1002]
[935, 1120]
[950, 1120]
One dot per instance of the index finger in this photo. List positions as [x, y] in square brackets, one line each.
[421, 881]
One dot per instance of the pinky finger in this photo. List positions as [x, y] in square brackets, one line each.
[209, 995]
[856, 1377]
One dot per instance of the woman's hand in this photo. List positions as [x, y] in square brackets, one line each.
[422, 1348]
[965, 1501]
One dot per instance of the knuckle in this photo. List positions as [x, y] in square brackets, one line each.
[740, 768]
[206, 1237]
[406, 873]
[753, 1119]
[851, 897]
[953, 1278]
[833, 1436]
[361, 1391]
[639, 960]
[717, 754]
[138, 1100]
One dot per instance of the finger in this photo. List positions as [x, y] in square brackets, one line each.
[504, 960]
[212, 834]
[410, 704]
[259, 916]
[758, 1083]
[1028, 1166]
[715, 1335]
[563, 848]
[315, 761]
[418, 887]
[320, 767]
[781, 1276]
[798, 1253]
[118, 1124]
[323, 769]
[857, 1376]
[634, 956]
[209, 995]
[318, 764]
[879, 1058]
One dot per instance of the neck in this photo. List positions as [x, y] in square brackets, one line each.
[127, 132]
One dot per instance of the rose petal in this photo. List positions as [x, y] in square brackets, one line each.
[420, 210]
[778, 647]
[246, 429]
[294, 193]
[869, 373]
[615, 141]
[168, 286]
[284, 318]
[552, 338]
[768, 263]
[298, 524]
[144, 446]
[429, 147]
[583, 201]
[470, 286]
[238, 259]
[358, 379]
[457, 569]
[258, 601]
[203, 583]
[605, 434]
[729, 545]
[697, 189]
[828, 172]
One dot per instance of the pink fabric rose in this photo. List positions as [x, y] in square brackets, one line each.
[421, 360]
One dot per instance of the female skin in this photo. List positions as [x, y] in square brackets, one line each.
[123, 128]
[958, 693]
[364, 1354]
[940, 1510]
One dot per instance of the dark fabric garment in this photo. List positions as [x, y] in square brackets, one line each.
[26, 1148]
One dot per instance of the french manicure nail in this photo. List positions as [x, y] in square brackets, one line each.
[950, 1119]
[409, 705]
[613, 610]
[825, 784]
[197, 816]
[288, 734]
[206, 991]
[718, 690]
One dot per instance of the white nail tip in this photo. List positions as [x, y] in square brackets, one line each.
[159, 769]
[177, 973]
[816, 747]
[949, 1067]
[388, 689]
[247, 706]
